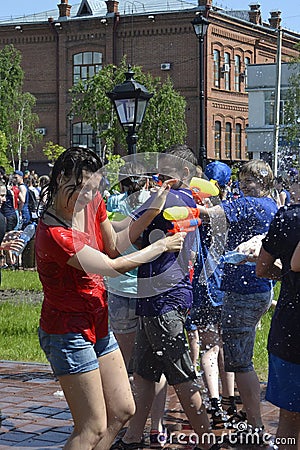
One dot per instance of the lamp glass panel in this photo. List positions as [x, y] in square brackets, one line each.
[126, 110]
[141, 108]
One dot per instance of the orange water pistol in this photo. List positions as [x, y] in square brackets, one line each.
[182, 218]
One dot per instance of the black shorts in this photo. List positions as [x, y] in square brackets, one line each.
[161, 348]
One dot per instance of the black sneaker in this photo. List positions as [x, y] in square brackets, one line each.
[219, 417]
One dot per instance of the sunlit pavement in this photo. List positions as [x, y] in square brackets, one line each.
[35, 414]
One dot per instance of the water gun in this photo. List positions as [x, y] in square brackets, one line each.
[155, 178]
[182, 218]
[203, 188]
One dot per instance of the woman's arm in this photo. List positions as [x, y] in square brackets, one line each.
[92, 261]
[265, 267]
[295, 261]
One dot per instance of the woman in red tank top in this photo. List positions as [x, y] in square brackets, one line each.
[75, 247]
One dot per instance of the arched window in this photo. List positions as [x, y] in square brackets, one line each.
[85, 65]
[227, 71]
[228, 145]
[218, 139]
[216, 68]
[237, 72]
[238, 141]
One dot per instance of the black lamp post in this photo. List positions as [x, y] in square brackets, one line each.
[200, 25]
[70, 118]
[130, 100]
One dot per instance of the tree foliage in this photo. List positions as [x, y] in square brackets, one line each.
[164, 122]
[4, 162]
[17, 119]
[53, 151]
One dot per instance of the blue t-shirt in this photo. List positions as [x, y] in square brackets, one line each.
[164, 284]
[280, 242]
[246, 217]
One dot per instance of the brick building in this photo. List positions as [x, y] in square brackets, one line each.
[74, 41]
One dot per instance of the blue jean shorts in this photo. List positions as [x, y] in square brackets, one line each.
[240, 316]
[122, 317]
[283, 388]
[71, 353]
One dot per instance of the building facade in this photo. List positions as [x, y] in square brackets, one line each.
[262, 79]
[75, 41]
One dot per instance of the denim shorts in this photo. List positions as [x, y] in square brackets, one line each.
[122, 317]
[161, 348]
[283, 389]
[240, 316]
[71, 353]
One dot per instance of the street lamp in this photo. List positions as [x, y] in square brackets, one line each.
[130, 100]
[200, 25]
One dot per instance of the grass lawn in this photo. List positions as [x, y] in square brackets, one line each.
[19, 318]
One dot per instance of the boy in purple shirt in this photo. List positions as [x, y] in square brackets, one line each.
[165, 296]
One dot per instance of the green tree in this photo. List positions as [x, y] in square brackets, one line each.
[164, 122]
[4, 162]
[53, 151]
[17, 119]
[21, 128]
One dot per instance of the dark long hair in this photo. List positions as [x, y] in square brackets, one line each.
[71, 162]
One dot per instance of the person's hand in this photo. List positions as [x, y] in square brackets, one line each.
[174, 243]
[251, 248]
[160, 194]
[12, 241]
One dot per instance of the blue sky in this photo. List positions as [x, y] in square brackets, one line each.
[290, 8]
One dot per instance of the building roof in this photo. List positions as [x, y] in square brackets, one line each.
[98, 8]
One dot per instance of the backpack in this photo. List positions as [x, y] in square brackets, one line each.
[32, 201]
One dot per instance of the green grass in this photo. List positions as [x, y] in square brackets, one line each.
[260, 358]
[18, 331]
[24, 280]
[19, 322]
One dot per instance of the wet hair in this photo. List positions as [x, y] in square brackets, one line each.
[183, 152]
[260, 170]
[71, 162]
[132, 177]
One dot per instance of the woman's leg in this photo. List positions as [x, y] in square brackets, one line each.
[100, 402]
[118, 397]
[84, 395]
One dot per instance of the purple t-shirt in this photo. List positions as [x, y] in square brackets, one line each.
[164, 284]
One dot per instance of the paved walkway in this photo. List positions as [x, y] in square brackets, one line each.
[35, 414]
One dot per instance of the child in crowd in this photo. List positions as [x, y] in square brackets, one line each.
[164, 298]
